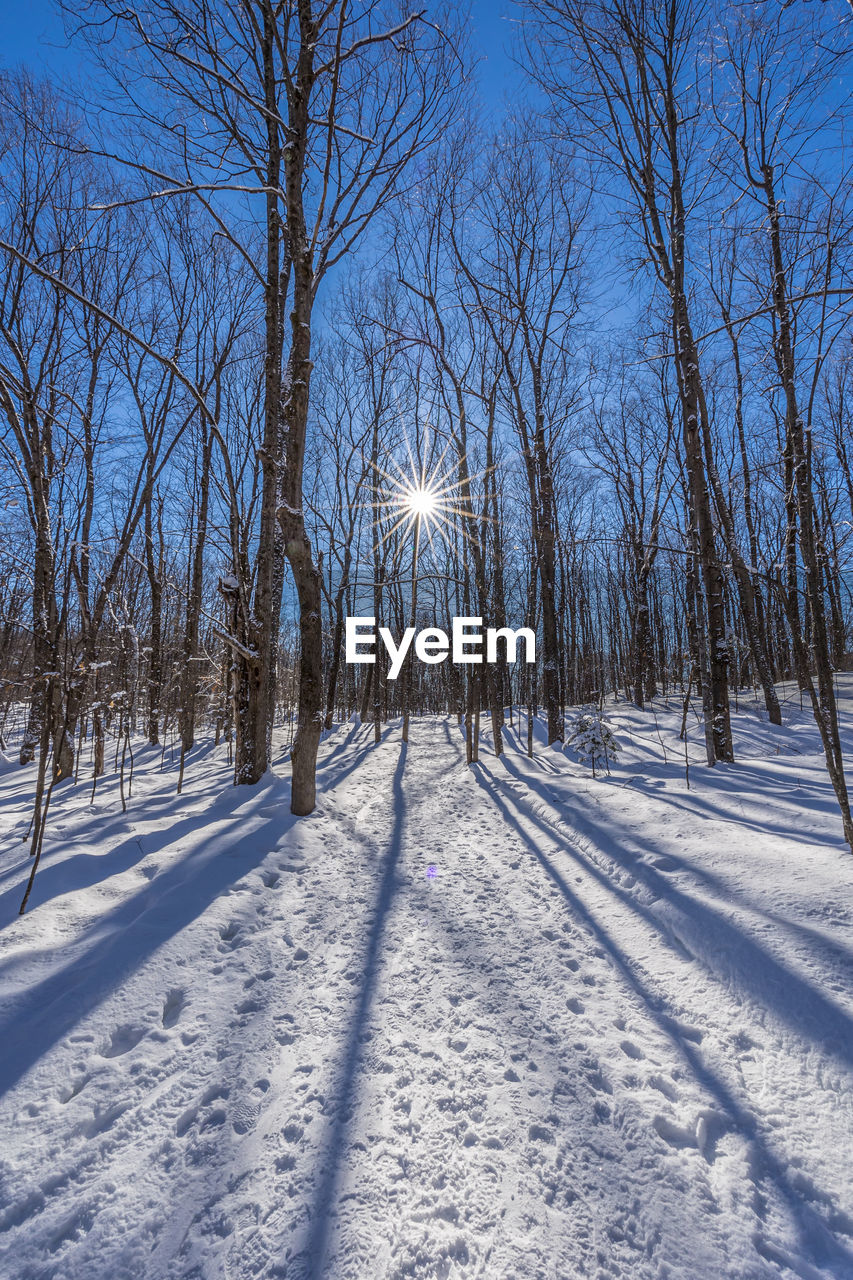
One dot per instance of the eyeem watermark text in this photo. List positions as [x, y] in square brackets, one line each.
[464, 645]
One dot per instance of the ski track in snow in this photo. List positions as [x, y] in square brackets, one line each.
[481, 1022]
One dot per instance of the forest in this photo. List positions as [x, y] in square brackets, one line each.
[287, 275]
[316, 314]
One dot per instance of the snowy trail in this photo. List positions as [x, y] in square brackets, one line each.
[702, 1020]
[459, 1023]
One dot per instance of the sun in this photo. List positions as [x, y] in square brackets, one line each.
[420, 501]
[413, 496]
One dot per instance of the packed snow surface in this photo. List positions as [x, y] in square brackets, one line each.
[508, 1021]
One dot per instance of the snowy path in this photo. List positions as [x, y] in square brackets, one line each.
[458, 1023]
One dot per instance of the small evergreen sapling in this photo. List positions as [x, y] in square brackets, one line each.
[592, 740]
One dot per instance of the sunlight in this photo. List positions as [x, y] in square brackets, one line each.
[414, 495]
[420, 501]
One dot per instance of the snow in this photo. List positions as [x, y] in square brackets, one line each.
[591, 739]
[510, 1021]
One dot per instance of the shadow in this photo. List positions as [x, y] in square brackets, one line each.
[801, 1005]
[455, 743]
[120, 941]
[716, 885]
[816, 1238]
[83, 870]
[712, 786]
[343, 768]
[60, 874]
[93, 825]
[311, 1258]
[733, 781]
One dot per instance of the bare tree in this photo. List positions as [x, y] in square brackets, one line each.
[627, 73]
[301, 119]
[525, 280]
[769, 122]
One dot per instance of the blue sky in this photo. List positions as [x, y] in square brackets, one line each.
[494, 34]
[32, 32]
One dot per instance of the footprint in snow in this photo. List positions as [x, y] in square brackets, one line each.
[103, 1120]
[246, 1113]
[285, 1034]
[539, 1133]
[73, 1228]
[215, 1093]
[173, 1007]
[185, 1121]
[710, 1127]
[675, 1135]
[596, 1079]
[249, 1006]
[229, 934]
[123, 1039]
[664, 1086]
[258, 977]
[71, 1091]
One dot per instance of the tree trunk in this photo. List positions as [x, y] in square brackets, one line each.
[822, 699]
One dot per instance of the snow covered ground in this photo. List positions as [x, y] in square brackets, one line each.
[507, 1022]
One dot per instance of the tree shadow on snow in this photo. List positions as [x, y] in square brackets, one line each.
[346, 756]
[816, 1238]
[309, 1262]
[762, 975]
[727, 781]
[96, 824]
[120, 941]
